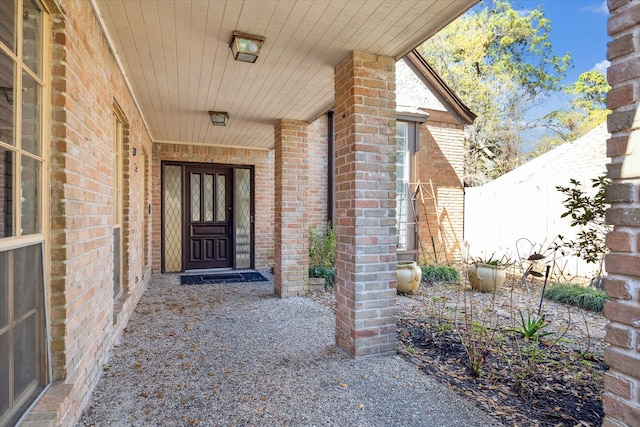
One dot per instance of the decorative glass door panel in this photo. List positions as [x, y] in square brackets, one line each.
[208, 218]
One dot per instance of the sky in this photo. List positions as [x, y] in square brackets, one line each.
[577, 26]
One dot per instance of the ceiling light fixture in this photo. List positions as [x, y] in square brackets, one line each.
[8, 93]
[246, 47]
[219, 118]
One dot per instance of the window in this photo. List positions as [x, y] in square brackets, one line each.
[24, 370]
[405, 206]
[118, 136]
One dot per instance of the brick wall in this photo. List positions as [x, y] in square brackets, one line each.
[291, 238]
[365, 116]
[86, 84]
[621, 399]
[440, 162]
[263, 162]
[318, 163]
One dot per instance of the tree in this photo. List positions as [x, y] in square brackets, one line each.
[501, 64]
[586, 110]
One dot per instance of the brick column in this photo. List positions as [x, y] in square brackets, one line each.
[291, 253]
[621, 399]
[365, 126]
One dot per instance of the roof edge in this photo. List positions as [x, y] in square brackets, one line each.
[436, 81]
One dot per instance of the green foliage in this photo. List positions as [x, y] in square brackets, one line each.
[532, 327]
[322, 253]
[501, 64]
[586, 110]
[503, 261]
[588, 214]
[328, 274]
[322, 246]
[439, 274]
[586, 298]
[590, 91]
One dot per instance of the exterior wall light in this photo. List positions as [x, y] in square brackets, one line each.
[219, 118]
[246, 47]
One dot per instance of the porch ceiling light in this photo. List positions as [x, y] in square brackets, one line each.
[246, 47]
[219, 118]
[8, 93]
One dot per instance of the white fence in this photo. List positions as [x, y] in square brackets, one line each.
[516, 220]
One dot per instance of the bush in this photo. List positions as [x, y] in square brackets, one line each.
[322, 254]
[439, 274]
[322, 247]
[325, 273]
[587, 298]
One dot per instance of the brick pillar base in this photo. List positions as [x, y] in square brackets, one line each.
[365, 204]
[291, 256]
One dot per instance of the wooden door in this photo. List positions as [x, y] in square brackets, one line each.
[208, 218]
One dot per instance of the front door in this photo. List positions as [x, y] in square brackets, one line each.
[208, 217]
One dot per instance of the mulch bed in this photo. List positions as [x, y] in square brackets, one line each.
[520, 383]
[551, 383]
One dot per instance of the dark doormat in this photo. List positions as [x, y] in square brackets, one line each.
[208, 279]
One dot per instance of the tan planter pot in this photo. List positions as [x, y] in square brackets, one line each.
[408, 276]
[486, 277]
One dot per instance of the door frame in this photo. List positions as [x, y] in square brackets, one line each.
[183, 176]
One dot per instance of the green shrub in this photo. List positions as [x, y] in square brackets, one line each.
[328, 274]
[322, 253]
[322, 246]
[439, 274]
[586, 298]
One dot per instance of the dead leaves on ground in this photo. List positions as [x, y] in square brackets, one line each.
[556, 390]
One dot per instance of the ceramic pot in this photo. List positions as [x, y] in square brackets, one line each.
[408, 276]
[486, 277]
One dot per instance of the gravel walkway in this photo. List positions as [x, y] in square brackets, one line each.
[236, 355]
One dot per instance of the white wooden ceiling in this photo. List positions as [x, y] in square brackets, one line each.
[175, 55]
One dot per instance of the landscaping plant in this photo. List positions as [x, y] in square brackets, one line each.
[588, 214]
[322, 253]
[587, 298]
[439, 274]
[531, 329]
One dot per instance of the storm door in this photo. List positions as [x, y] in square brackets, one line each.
[208, 218]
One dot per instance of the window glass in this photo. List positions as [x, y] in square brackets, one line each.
[6, 192]
[30, 114]
[4, 292]
[221, 215]
[4, 372]
[32, 35]
[402, 179]
[6, 99]
[242, 193]
[24, 353]
[195, 197]
[172, 218]
[30, 189]
[208, 197]
[26, 284]
[8, 24]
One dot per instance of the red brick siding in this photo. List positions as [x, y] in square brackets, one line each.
[262, 161]
[291, 257]
[365, 204]
[440, 162]
[621, 399]
[86, 83]
[318, 163]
